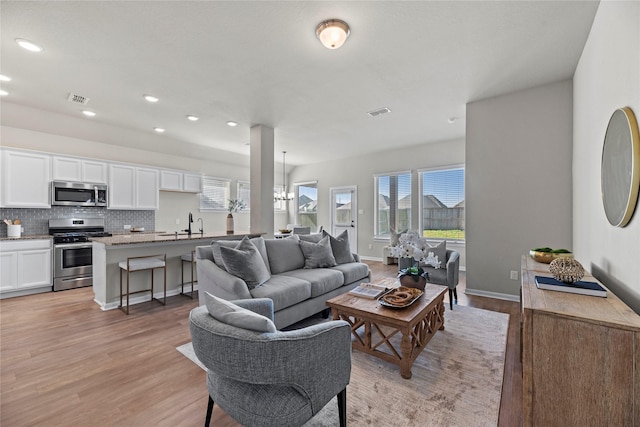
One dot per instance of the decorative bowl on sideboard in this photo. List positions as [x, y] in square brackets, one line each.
[547, 257]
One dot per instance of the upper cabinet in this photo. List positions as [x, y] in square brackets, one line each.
[133, 187]
[172, 180]
[25, 179]
[79, 170]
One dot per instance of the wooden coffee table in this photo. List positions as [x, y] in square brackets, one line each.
[371, 322]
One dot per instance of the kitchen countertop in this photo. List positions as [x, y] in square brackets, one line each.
[31, 237]
[163, 237]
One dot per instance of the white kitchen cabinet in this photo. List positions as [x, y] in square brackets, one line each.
[132, 187]
[25, 179]
[192, 183]
[187, 182]
[147, 196]
[79, 170]
[171, 180]
[26, 264]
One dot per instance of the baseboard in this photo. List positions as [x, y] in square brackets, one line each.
[370, 258]
[488, 294]
[145, 298]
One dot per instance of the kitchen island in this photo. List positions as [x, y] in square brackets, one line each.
[107, 252]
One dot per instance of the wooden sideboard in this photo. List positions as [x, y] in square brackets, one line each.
[580, 356]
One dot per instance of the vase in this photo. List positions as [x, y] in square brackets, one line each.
[230, 223]
[411, 281]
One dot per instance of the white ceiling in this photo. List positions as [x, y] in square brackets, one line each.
[259, 62]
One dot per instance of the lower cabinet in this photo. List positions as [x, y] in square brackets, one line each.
[25, 265]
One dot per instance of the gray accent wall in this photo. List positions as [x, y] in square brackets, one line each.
[607, 78]
[518, 182]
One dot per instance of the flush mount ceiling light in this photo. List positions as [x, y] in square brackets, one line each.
[88, 113]
[232, 123]
[4, 78]
[151, 98]
[159, 130]
[332, 33]
[29, 45]
[193, 118]
[3, 92]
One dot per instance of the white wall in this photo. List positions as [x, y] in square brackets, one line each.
[518, 182]
[607, 78]
[359, 172]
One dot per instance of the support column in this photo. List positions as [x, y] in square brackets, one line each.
[261, 175]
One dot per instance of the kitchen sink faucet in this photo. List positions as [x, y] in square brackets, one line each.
[188, 230]
[201, 225]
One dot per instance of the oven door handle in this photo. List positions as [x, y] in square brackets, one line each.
[72, 246]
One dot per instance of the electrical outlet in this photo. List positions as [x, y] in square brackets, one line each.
[127, 227]
[177, 221]
[370, 246]
[514, 275]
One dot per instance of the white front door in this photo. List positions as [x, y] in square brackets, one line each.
[344, 212]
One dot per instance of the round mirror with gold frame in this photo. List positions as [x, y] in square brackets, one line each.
[621, 167]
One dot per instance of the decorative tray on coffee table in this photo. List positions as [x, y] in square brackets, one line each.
[401, 297]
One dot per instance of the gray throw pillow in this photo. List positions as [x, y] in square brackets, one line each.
[217, 257]
[318, 255]
[437, 255]
[244, 261]
[394, 237]
[315, 237]
[231, 314]
[340, 247]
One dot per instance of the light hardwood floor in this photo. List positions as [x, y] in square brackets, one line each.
[65, 362]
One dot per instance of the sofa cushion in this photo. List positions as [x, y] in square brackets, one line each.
[234, 315]
[244, 261]
[322, 280]
[318, 255]
[284, 254]
[257, 241]
[283, 290]
[352, 271]
[340, 247]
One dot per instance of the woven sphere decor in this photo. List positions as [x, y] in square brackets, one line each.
[566, 270]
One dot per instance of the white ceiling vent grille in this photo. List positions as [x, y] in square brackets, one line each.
[379, 112]
[78, 99]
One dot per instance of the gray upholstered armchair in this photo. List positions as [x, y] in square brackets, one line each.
[446, 276]
[272, 378]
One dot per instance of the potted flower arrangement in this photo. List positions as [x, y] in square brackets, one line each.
[413, 248]
[235, 205]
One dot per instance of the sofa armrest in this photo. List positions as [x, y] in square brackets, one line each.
[218, 282]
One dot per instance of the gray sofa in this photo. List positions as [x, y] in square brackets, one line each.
[297, 292]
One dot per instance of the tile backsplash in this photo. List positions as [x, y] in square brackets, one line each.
[36, 221]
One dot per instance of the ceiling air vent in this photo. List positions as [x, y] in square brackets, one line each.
[379, 112]
[78, 99]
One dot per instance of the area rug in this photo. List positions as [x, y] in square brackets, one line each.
[456, 381]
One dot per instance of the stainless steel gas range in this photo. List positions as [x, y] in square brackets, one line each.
[72, 259]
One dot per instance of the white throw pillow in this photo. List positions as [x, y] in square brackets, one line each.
[437, 255]
[234, 315]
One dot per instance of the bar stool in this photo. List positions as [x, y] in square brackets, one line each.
[191, 259]
[141, 263]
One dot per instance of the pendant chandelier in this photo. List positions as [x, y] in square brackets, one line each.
[283, 195]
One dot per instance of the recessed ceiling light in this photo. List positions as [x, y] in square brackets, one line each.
[193, 118]
[151, 98]
[4, 78]
[29, 45]
[88, 113]
[159, 130]
[3, 93]
[232, 123]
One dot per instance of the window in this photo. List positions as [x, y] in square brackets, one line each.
[392, 201]
[215, 193]
[442, 203]
[307, 204]
[244, 193]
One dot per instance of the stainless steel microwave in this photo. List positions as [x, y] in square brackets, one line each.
[78, 194]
